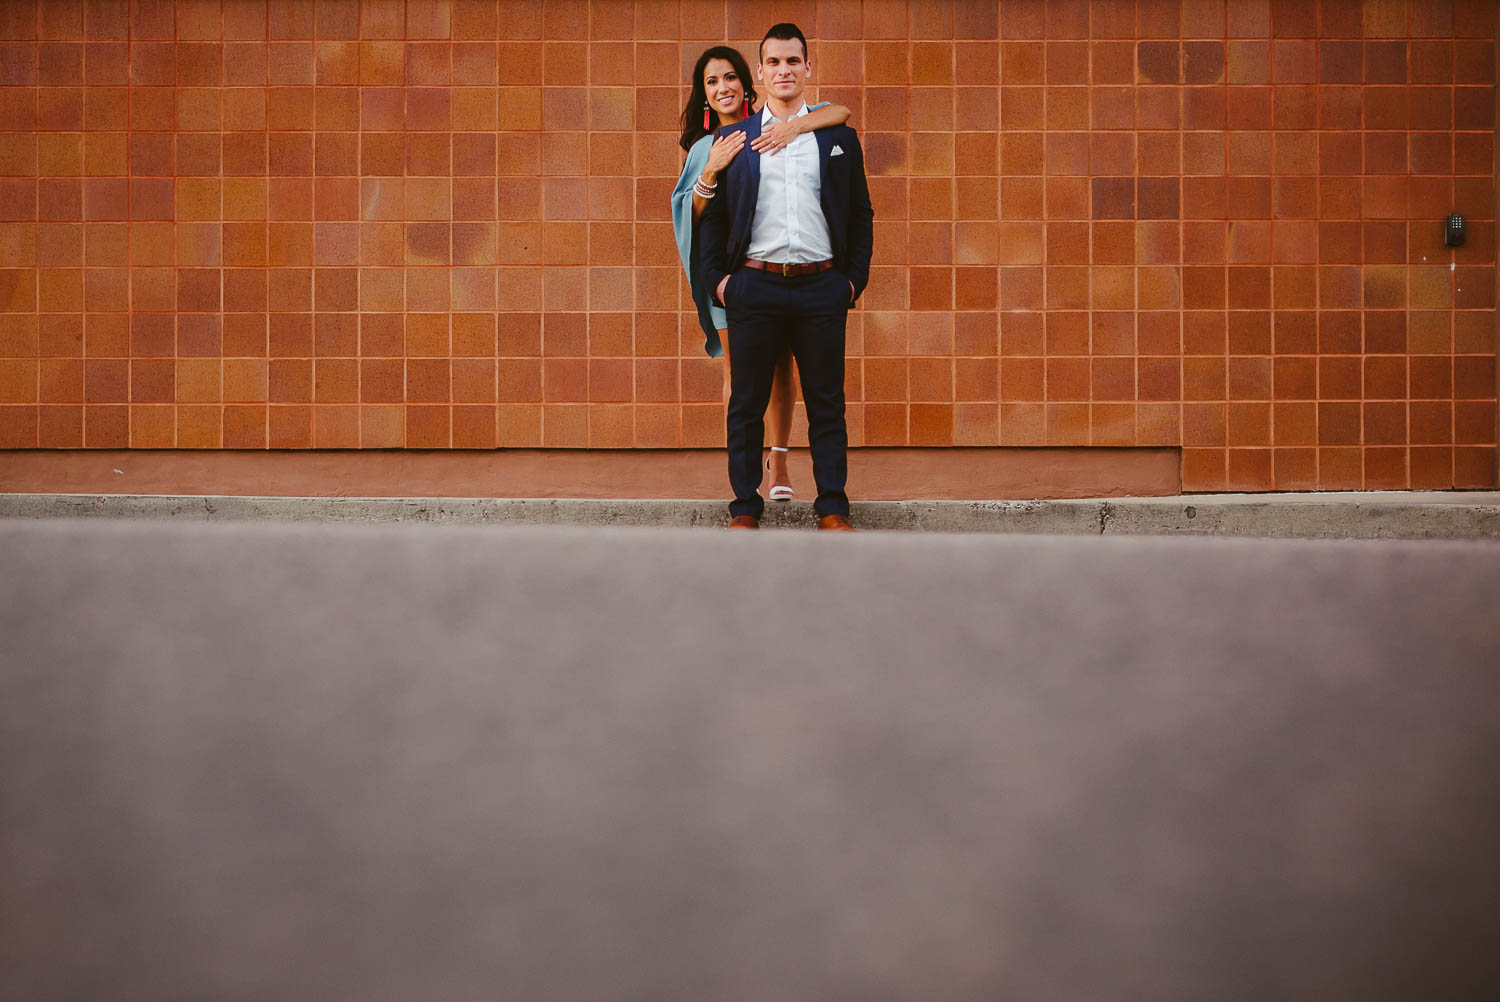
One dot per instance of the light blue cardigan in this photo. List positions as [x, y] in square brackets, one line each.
[682, 226]
[710, 317]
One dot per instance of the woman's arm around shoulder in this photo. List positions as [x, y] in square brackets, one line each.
[819, 116]
[823, 114]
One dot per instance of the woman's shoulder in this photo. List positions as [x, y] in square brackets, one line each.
[697, 156]
[698, 152]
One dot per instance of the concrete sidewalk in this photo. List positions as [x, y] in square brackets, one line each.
[1345, 515]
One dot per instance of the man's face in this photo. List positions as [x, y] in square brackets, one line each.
[783, 69]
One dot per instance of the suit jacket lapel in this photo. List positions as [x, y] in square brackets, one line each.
[753, 161]
[745, 209]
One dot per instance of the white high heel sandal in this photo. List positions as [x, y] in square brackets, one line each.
[779, 492]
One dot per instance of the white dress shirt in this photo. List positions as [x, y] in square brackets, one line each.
[789, 227]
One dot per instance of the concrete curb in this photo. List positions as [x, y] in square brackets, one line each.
[1340, 516]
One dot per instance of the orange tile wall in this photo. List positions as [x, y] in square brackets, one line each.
[429, 224]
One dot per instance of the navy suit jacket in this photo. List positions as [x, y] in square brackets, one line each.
[724, 231]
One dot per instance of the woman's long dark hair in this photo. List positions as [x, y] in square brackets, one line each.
[692, 115]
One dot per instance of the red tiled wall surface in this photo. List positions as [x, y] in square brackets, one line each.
[428, 224]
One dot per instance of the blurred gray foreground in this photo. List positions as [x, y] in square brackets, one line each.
[272, 762]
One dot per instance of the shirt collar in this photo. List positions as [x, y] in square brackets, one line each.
[766, 118]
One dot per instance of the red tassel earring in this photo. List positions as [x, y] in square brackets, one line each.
[705, 117]
[747, 107]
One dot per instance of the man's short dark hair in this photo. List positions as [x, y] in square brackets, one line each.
[785, 31]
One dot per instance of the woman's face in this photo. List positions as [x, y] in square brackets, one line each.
[725, 89]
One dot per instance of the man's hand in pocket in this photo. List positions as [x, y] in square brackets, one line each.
[722, 283]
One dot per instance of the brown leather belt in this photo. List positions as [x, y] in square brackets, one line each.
[788, 270]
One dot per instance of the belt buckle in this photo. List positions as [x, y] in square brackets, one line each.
[786, 269]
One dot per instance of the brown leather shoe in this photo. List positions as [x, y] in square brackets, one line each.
[835, 523]
[744, 522]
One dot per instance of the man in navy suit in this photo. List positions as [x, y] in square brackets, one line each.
[786, 248]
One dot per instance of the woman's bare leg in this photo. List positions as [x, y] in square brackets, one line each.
[779, 417]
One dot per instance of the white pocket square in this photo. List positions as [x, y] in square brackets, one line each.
[838, 151]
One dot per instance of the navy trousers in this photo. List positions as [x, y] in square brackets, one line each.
[767, 314]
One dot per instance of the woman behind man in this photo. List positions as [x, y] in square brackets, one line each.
[722, 95]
